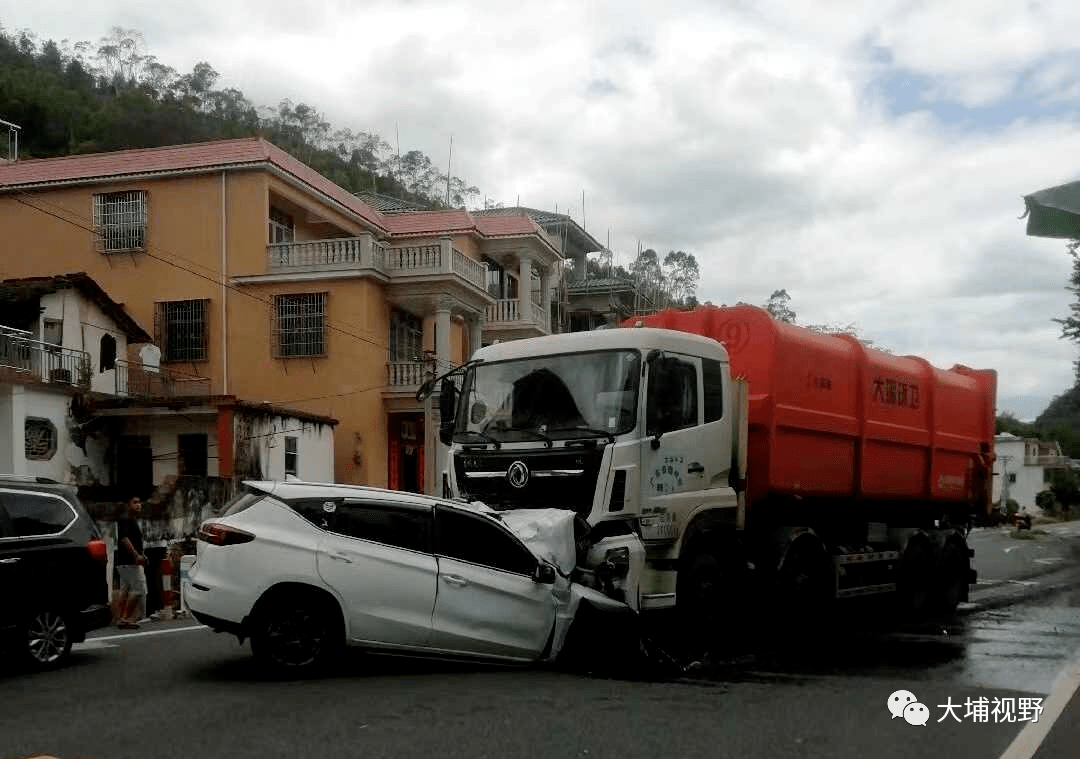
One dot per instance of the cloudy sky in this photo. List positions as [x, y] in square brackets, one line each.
[870, 162]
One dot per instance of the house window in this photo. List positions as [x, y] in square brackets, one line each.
[107, 353]
[40, 437]
[120, 221]
[181, 329]
[52, 332]
[191, 458]
[281, 227]
[406, 337]
[300, 325]
[1012, 478]
[291, 457]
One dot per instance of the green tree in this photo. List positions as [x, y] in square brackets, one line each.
[779, 306]
[681, 273]
[1070, 325]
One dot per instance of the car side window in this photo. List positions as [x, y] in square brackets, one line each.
[394, 526]
[476, 540]
[712, 383]
[36, 514]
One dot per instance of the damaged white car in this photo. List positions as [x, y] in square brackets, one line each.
[303, 569]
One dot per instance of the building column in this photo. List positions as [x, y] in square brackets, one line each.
[525, 289]
[545, 297]
[442, 338]
[435, 451]
[476, 330]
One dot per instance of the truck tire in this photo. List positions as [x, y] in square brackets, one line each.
[951, 586]
[916, 581]
[807, 584]
[708, 597]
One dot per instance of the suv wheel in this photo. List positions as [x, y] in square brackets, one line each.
[294, 633]
[48, 638]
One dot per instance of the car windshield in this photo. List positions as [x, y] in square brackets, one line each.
[555, 397]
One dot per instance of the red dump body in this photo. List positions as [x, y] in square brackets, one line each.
[830, 417]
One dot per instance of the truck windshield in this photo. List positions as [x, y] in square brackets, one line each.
[551, 397]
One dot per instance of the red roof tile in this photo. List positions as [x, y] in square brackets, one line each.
[444, 222]
[194, 156]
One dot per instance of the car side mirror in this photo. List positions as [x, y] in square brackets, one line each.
[544, 574]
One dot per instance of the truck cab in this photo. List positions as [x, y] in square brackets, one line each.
[632, 429]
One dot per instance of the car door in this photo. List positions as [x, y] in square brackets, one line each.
[377, 556]
[488, 602]
[33, 553]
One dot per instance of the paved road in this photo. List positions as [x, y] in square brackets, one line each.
[177, 690]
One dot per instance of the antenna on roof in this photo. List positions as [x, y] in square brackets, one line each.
[13, 139]
[448, 160]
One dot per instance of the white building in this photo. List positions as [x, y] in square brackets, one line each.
[1022, 469]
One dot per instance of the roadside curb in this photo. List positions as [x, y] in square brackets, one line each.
[1018, 590]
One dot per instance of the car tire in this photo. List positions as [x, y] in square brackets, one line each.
[47, 638]
[295, 633]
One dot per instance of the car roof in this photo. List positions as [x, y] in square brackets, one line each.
[36, 484]
[295, 490]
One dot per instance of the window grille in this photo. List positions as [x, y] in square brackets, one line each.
[40, 437]
[281, 227]
[300, 325]
[120, 221]
[181, 329]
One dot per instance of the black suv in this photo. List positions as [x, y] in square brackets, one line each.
[53, 586]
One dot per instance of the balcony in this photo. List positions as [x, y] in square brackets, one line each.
[337, 254]
[503, 320]
[1050, 461]
[141, 381]
[22, 358]
[404, 378]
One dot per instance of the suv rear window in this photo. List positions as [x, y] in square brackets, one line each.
[241, 502]
[32, 514]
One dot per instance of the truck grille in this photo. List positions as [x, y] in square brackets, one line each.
[530, 479]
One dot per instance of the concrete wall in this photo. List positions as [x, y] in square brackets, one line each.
[260, 445]
[84, 326]
[1030, 480]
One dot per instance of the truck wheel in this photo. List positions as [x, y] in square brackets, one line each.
[705, 597]
[916, 579]
[951, 586]
[807, 583]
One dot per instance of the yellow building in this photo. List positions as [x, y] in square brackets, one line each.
[276, 284]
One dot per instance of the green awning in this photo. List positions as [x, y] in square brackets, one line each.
[1054, 212]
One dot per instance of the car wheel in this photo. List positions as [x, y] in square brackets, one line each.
[48, 639]
[294, 633]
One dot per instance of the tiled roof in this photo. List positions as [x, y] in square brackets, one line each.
[248, 151]
[445, 222]
[191, 157]
[389, 204]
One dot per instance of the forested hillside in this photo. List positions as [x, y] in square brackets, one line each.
[87, 97]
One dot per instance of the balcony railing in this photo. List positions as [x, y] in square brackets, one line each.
[141, 381]
[407, 373]
[41, 361]
[363, 253]
[1047, 460]
[336, 253]
[509, 310]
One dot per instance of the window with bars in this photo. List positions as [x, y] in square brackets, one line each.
[406, 337]
[300, 325]
[120, 221]
[181, 329]
[281, 227]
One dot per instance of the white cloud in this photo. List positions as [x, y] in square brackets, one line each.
[756, 135]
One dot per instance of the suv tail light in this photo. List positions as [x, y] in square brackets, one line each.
[218, 534]
[98, 549]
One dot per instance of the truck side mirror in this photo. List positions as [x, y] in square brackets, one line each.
[447, 409]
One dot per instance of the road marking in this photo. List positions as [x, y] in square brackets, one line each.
[93, 644]
[143, 634]
[1048, 560]
[1031, 737]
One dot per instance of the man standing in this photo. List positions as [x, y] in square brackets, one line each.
[128, 560]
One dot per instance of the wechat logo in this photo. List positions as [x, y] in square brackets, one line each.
[903, 703]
